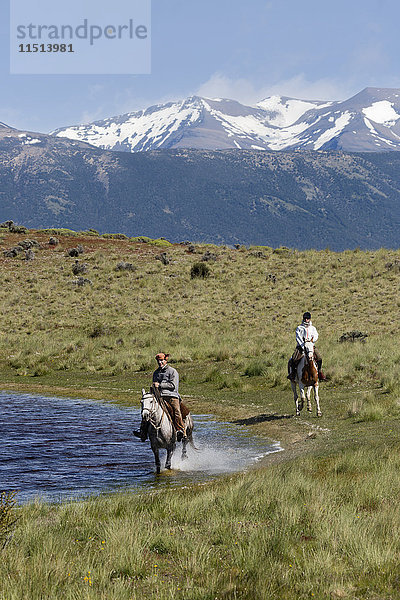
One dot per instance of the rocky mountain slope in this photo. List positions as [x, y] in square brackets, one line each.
[302, 199]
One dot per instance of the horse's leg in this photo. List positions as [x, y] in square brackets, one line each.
[308, 394]
[184, 444]
[302, 394]
[170, 451]
[316, 398]
[156, 453]
[295, 398]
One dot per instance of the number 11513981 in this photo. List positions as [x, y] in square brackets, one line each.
[45, 48]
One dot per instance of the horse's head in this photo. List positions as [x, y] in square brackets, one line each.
[309, 350]
[147, 403]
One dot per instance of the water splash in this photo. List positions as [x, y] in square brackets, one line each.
[222, 448]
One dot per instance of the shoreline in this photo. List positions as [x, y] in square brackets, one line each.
[294, 435]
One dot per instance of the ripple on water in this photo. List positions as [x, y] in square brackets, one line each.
[58, 448]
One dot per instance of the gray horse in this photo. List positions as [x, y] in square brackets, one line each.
[161, 431]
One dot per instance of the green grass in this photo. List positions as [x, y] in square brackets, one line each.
[322, 522]
[309, 528]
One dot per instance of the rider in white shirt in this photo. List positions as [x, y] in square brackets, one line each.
[306, 332]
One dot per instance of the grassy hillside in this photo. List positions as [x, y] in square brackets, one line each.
[322, 522]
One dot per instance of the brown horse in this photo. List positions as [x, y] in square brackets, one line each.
[307, 379]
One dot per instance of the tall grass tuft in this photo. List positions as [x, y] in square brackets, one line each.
[256, 368]
[8, 518]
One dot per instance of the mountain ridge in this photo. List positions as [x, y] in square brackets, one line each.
[368, 121]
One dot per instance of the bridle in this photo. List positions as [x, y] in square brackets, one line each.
[309, 354]
[152, 411]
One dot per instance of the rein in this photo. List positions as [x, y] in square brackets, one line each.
[153, 413]
[157, 399]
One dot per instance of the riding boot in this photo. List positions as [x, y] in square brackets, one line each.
[321, 375]
[142, 434]
[289, 368]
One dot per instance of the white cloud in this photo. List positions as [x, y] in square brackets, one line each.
[243, 90]
[96, 114]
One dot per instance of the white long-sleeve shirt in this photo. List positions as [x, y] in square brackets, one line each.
[306, 332]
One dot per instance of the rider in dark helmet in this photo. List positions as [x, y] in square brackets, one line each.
[305, 333]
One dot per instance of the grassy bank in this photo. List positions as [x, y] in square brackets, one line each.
[321, 522]
[325, 527]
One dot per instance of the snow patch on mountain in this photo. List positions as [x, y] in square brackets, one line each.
[286, 111]
[382, 112]
[135, 130]
[332, 132]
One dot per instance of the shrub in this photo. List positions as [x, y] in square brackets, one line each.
[163, 258]
[81, 281]
[209, 256]
[6, 224]
[162, 242]
[58, 231]
[98, 331]
[281, 250]
[142, 239]
[352, 336]
[12, 252]
[75, 251]
[125, 266]
[200, 270]
[115, 236]
[89, 232]
[18, 229]
[78, 268]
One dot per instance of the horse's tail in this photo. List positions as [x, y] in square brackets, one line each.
[189, 433]
[191, 442]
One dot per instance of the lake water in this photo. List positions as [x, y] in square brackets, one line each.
[63, 448]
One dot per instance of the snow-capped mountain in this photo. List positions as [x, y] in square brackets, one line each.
[369, 121]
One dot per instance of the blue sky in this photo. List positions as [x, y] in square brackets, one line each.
[226, 48]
